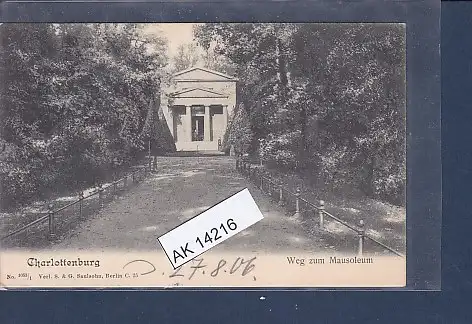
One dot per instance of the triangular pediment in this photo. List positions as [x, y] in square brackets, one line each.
[198, 93]
[202, 74]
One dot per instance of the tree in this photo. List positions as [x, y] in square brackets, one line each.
[239, 132]
[26, 52]
[361, 90]
[216, 62]
[186, 57]
[327, 98]
[75, 98]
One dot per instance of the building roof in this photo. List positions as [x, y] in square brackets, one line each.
[199, 73]
[198, 92]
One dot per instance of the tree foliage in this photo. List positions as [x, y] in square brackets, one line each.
[240, 134]
[74, 98]
[187, 56]
[190, 55]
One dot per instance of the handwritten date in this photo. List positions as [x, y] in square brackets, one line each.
[199, 267]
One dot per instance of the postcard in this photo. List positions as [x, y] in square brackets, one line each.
[203, 155]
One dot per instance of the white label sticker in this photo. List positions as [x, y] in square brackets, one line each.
[210, 228]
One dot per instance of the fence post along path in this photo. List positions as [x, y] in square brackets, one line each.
[361, 233]
[53, 216]
[51, 222]
[297, 203]
[321, 213]
[81, 203]
[283, 200]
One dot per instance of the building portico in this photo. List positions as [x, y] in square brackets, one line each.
[198, 109]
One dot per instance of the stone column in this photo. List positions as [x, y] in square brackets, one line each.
[206, 127]
[188, 122]
[225, 118]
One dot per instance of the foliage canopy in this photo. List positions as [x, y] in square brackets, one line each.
[327, 99]
[75, 97]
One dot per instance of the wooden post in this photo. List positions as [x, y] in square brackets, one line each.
[268, 185]
[81, 202]
[297, 203]
[281, 198]
[114, 186]
[249, 171]
[51, 222]
[125, 181]
[262, 181]
[321, 213]
[260, 152]
[361, 234]
[154, 163]
[237, 162]
[133, 177]
[149, 152]
[100, 195]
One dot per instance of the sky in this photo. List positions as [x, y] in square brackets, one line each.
[176, 34]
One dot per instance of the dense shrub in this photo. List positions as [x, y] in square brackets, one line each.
[79, 102]
[341, 88]
[239, 133]
[281, 149]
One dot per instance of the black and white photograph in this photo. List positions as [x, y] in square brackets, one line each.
[114, 134]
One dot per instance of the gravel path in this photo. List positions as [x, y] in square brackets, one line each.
[182, 188]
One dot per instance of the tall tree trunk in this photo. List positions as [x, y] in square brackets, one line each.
[303, 137]
[369, 180]
[281, 66]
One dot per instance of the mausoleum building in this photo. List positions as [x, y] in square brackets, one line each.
[197, 108]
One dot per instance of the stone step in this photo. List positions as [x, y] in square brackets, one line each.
[196, 153]
[197, 146]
